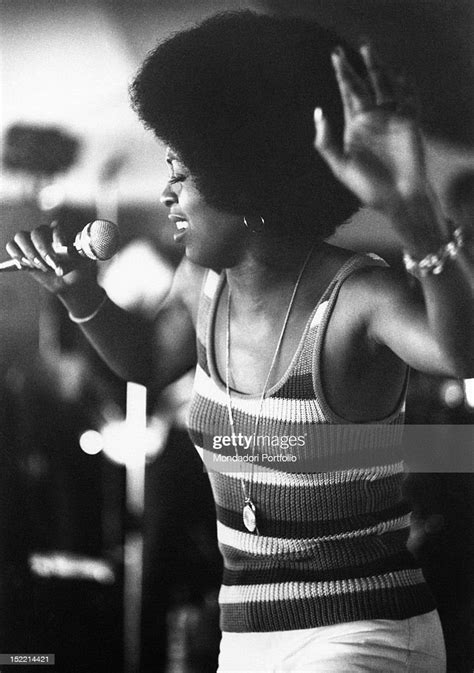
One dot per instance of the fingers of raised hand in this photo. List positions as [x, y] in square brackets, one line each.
[355, 93]
[380, 80]
[325, 144]
[381, 90]
[393, 92]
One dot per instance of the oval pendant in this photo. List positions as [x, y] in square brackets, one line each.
[249, 516]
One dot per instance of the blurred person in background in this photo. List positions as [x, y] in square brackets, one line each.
[275, 133]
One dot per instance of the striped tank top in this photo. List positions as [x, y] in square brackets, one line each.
[331, 541]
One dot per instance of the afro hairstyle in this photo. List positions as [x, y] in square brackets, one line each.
[234, 96]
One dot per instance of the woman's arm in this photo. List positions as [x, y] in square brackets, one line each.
[153, 353]
[383, 163]
[430, 326]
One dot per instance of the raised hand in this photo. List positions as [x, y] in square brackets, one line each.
[382, 158]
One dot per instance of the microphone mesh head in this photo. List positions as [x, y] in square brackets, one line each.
[104, 239]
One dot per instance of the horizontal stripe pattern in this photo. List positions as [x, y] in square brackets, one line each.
[360, 477]
[324, 555]
[274, 409]
[309, 528]
[285, 591]
[332, 540]
[312, 497]
[387, 603]
[265, 545]
[307, 570]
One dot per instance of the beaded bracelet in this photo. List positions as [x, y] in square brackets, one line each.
[86, 318]
[434, 263]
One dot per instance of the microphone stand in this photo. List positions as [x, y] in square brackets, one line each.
[133, 544]
[107, 205]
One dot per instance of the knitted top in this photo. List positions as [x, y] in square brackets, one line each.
[331, 539]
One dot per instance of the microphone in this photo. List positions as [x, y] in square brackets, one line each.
[99, 240]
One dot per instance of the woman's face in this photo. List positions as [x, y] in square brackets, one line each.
[212, 238]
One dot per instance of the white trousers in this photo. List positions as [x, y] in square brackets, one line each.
[414, 645]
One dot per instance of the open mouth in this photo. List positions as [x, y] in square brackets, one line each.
[181, 226]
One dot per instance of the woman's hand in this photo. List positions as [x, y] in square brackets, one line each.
[382, 160]
[44, 252]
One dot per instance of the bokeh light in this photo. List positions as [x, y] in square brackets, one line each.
[91, 442]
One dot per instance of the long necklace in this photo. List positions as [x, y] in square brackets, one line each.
[249, 511]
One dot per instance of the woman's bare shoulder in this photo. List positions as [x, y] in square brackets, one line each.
[373, 289]
[327, 261]
[372, 274]
[371, 284]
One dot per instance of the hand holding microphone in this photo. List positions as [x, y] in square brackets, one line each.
[48, 249]
[99, 240]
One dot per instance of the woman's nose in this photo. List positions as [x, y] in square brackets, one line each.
[168, 196]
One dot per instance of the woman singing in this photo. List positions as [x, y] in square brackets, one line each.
[274, 133]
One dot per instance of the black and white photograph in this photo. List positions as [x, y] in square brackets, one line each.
[237, 336]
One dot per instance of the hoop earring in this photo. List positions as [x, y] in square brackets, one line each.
[259, 229]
